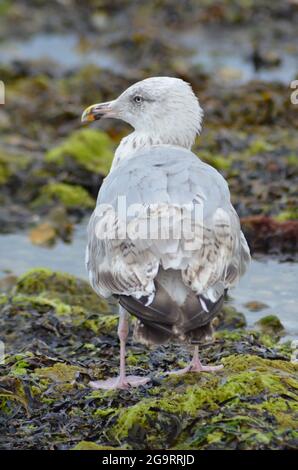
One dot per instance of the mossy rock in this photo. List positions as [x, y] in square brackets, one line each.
[89, 149]
[68, 195]
[55, 285]
[72, 315]
[270, 324]
[229, 319]
[251, 403]
[11, 164]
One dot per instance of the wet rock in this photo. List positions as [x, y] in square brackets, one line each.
[255, 306]
[270, 325]
[7, 282]
[260, 165]
[229, 319]
[264, 59]
[62, 224]
[44, 235]
[207, 411]
[11, 164]
[64, 287]
[69, 196]
[265, 234]
[59, 337]
[14, 217]
[82, 158]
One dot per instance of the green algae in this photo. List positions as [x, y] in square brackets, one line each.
[4, 170]
[59, 372]
[259, 146]
[73, 315]
[220, 162]
[249, 404]
[88, 445]
[104, 324]
[88, 148]
[54, 285]
[229, 319]
[205, 397]
[270, 324]
[11, 164]
[3, 299]
[70, 196]
[20, 364]
[288, 214]
[12, 392]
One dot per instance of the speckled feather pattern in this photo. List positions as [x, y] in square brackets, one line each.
[167, 176]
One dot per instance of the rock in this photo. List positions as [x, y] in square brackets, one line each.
[229, 319]
[11, 165]
[64, 287]
[59, 219]
[44, 235]
[264, 59]
[7, 282]
[264, 234]
[82, 158]
[240, 407]
[270, 325]
[255, 306]
[58, 339]
[229, 74]
[69, 196]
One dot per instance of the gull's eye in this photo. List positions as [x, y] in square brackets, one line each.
[138, 99]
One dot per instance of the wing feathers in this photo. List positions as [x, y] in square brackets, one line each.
[164, 179]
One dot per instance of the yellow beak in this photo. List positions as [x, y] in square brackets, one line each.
[97, 111]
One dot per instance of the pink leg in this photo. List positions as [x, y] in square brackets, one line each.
[123, 380]
[196, 365]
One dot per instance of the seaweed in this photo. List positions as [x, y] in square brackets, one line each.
[58, 339]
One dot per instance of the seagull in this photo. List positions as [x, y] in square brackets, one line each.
[164, 238]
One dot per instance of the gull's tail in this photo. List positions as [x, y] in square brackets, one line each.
[175, 314]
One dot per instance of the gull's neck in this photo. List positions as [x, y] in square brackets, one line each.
[140, 140]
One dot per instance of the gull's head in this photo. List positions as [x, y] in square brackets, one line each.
[159, 107]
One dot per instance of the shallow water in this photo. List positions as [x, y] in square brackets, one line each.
[267, 281]
[220, 52]
[226, 54]
[62, 49]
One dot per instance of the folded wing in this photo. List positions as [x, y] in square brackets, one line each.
[128, 243]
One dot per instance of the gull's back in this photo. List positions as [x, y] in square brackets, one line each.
[175, 285]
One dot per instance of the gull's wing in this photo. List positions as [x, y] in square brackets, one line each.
[211, 253]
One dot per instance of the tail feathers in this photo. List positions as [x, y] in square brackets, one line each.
[163, 310]
[200, 311]
[151, 333]
[164, 319]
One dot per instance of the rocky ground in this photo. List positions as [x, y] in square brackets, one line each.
[48, 160]
[60, 335]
